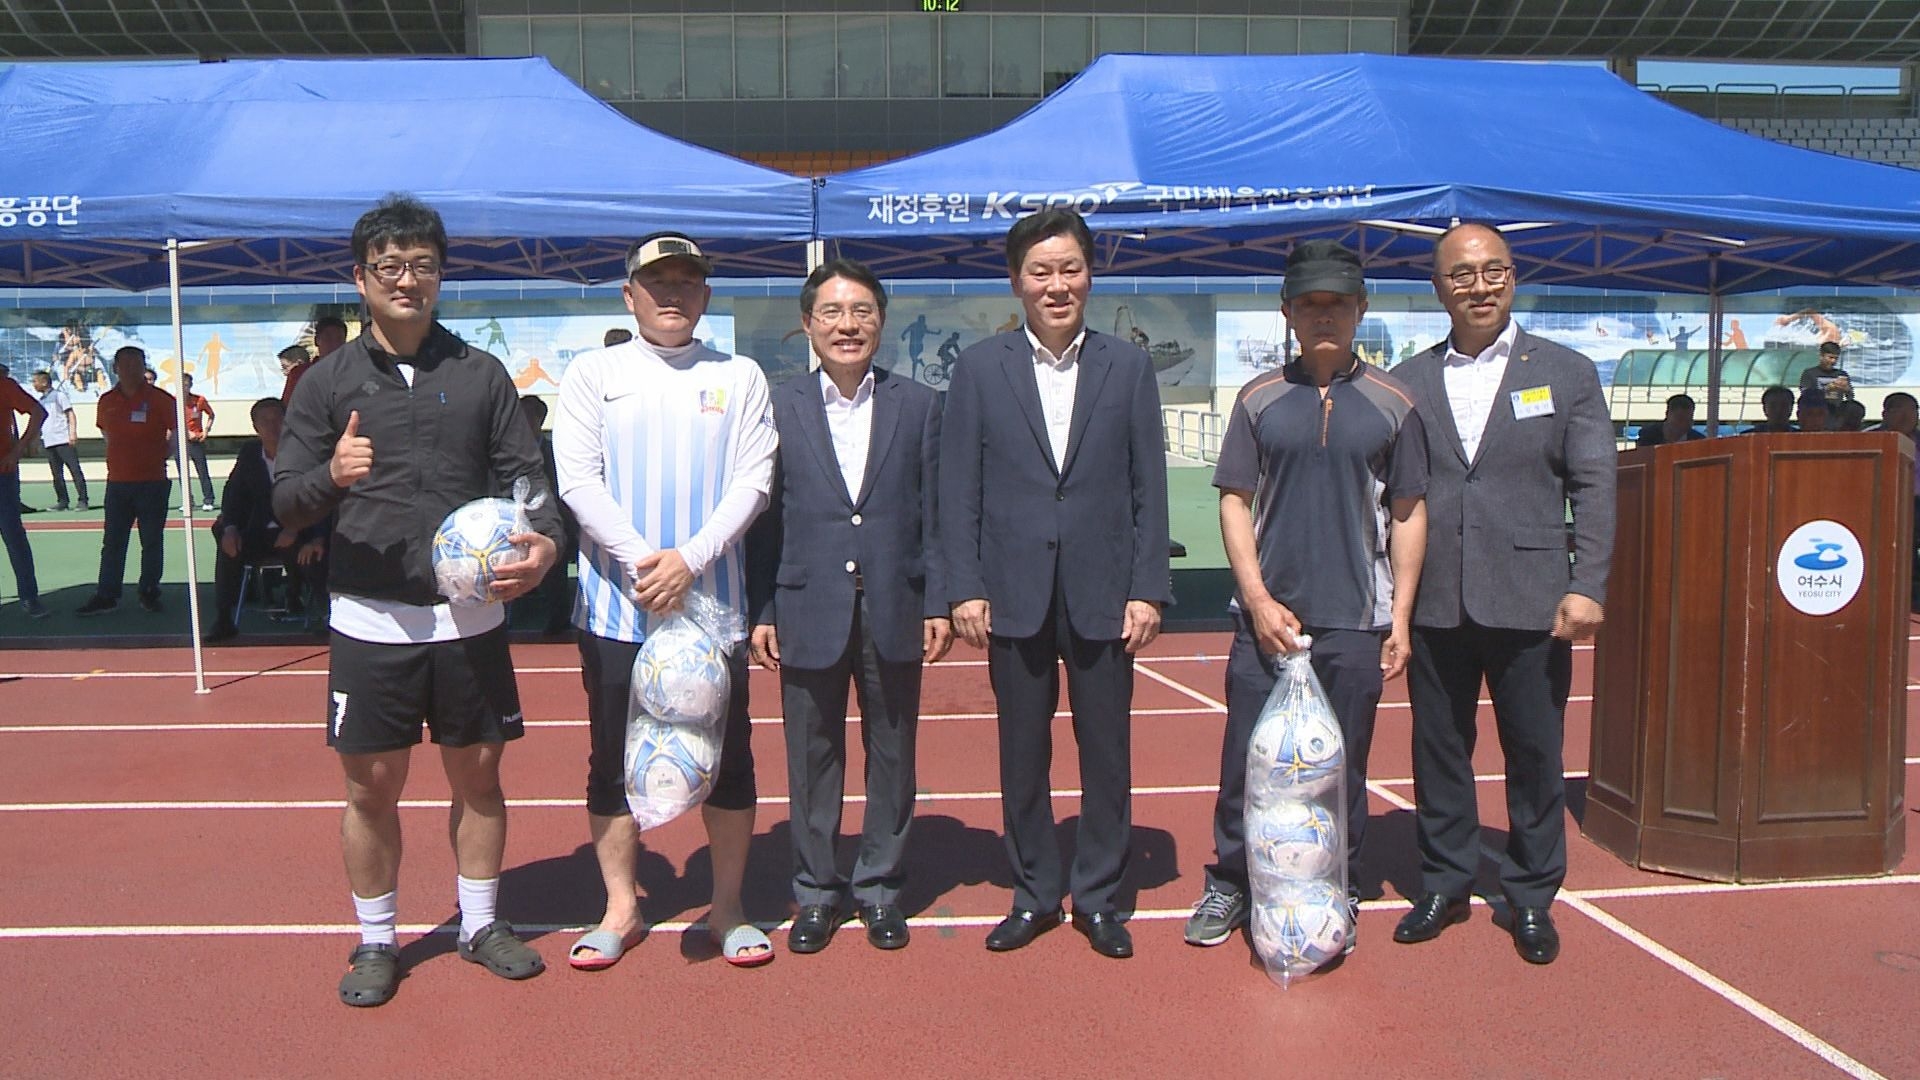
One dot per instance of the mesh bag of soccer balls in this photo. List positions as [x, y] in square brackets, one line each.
[474, 541]
[1296, 826]
[676, 715]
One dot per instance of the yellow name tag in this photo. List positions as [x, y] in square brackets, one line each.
[1533, 401]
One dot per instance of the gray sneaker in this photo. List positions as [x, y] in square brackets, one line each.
[35, 609]
[1216, 917]
[1353, 935]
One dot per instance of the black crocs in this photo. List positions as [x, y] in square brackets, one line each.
[372, 976]
[496, 949]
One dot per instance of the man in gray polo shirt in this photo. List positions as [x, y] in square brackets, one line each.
[1322, 478]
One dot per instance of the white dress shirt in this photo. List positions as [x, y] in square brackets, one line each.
[1472, 384]
[1058, 378]
[850, 423]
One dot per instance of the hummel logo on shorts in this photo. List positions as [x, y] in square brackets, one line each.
[339, 712]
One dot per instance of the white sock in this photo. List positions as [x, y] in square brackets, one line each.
[477, 901]
[376, 918]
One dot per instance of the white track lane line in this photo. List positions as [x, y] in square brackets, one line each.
[286, 673]
[852, 718]
[1721, 988]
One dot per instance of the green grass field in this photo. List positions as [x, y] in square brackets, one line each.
[67, 564]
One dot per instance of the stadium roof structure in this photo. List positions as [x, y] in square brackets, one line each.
[132, 28]
[1811, 31]
[1217, 165]
[261, 168]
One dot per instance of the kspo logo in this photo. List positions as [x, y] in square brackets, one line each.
[1014, 204]
[1819, 567]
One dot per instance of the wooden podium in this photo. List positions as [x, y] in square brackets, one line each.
[1739, 734]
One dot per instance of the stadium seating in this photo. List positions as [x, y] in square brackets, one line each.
[1891, 140]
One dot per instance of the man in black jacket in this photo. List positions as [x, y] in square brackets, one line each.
[248, 533]
[399, 427]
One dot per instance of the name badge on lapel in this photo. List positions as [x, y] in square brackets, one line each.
[138, 416]
[1531, 402]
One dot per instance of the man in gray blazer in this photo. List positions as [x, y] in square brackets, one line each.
[1053, 519]
[1517, 431]
[844, 584]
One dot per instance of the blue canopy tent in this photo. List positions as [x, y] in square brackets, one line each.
[1216, 165]
[262, 167]
[134, 176]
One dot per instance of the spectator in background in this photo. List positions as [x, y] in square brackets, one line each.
[619, 335]
[556, 589]
[199, 426]
[137, 419]
[1676, 428]
[329, 333]
[1776, 404]
[56, 435]
[1850, 415]
[248, 534]
[1900, 412]
[13, 400]
[1829, 379]
[1814, 415]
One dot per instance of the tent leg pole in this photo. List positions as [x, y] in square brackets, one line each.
[1716, 310]
[186, 489]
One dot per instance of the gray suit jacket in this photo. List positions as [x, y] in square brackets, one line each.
[1009, 520]
[798, 551]
[1496, 526]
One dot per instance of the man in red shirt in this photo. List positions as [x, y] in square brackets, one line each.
[137, 420]
[199, 426]
[329, 333]
[15, 400]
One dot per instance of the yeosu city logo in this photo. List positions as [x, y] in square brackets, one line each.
[1824, 556]
[1819, 567]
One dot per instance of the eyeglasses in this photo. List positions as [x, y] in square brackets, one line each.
[1494, 276]
[389, 271]
[833, 313]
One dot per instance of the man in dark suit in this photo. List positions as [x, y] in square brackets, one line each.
[247, 532]
[844, 584]
[1053, 517]
[1517, 429]
[1677, 427]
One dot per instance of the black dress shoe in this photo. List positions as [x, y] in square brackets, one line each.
[1020, 927]
[886, 926]
[1106, 933]
[1534, 937]
[221, 632]
[1431, 914]
[813, 928]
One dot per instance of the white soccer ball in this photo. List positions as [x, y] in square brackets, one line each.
[670, 770]
[681, 676]
[1295, 841]
[1299, 928]
[1295, 753]
[471, 544]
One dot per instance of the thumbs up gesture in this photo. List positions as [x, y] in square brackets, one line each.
[352, 455]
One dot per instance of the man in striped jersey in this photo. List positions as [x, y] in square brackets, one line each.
[665, 452]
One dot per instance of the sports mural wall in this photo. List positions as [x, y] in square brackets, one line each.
[1198, 341]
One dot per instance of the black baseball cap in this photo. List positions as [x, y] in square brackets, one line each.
[1322, 266]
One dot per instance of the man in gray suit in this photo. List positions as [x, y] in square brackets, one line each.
[1053, 519]
[845, 585]
[1517, 430]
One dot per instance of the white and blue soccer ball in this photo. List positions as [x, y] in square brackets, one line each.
[1300, 927]
[681, 675]
[471, 544]
[1296, 753]
[1294, 841]
[670, 770]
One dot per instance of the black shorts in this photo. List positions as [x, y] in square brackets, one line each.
[606, 669]
[378, 695]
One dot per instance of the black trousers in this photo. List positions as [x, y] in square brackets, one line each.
[197, 453]
[814, 702]
[1347, 663]
[128, 502]
[61, 460]
[1528, 674]
[1026, 684]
